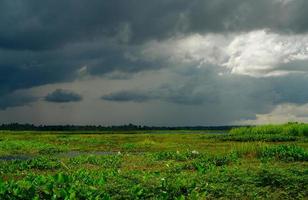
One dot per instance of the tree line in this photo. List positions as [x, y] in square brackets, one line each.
[128, 127]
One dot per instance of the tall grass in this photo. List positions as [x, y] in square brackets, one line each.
[290, 129]
[268, 133]
[258, 137]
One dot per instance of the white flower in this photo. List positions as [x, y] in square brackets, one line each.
[195, 152]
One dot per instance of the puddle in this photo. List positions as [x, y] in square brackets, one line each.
[15, 157]
[219, 133]
[80, 153]
[69, 154]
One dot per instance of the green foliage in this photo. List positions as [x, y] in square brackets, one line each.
[205, 163]
[239, 137]
[129, 146]
[39, 163]
[263, 183]
[293, 184]
[23, 146]
[59, 186]
[159, 166]
[50, 151]
[178, 156]
[267, 133]
[288, 153]
[291, 129]
[107, 161]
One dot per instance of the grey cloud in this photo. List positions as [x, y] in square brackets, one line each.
[49, 24]
[36, 25]
[182, 95]
[291, 89]
[226, 97]
[15, 100]
[124, 96]
[26, 69]
[46, 42]
[63, 96]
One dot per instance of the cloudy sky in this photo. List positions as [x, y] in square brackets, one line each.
[162, 62]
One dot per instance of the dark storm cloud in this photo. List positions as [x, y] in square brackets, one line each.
[291, 89]
[63, 96]
[124, 96]
[202, 87]
[225, 98]
[26, 69]
[14, 100]
[49, 24]
[45, 42]
[184, 95]
[175, 97]
[44, 25]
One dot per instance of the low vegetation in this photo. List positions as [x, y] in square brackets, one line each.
[266, 162]
[268, 133]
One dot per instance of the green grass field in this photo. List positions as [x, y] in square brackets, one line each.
[268, 162]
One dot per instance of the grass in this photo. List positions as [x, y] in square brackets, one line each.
[268, 133]
[267, 162]
[289, 153]
[290, 129]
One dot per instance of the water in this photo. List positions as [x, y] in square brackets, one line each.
[15, 157]
[71, 154]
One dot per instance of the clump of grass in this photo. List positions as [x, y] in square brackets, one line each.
[50, 151]
[288, 153]
[247, 149]
[39, 163]
[178, 156]
[106, 161]
[129, 146]
[147, 142]
[42, 163]
[292, 185]
[23, 146]
[206, 163]
[239, 137]
[267, 133]
[291, 129]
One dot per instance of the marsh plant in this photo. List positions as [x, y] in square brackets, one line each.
[267, 162]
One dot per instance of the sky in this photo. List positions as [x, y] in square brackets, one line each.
[159, 63]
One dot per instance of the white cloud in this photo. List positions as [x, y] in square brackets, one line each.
[258, 53]
[195, 48]
[283, 113]
[285, 2]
